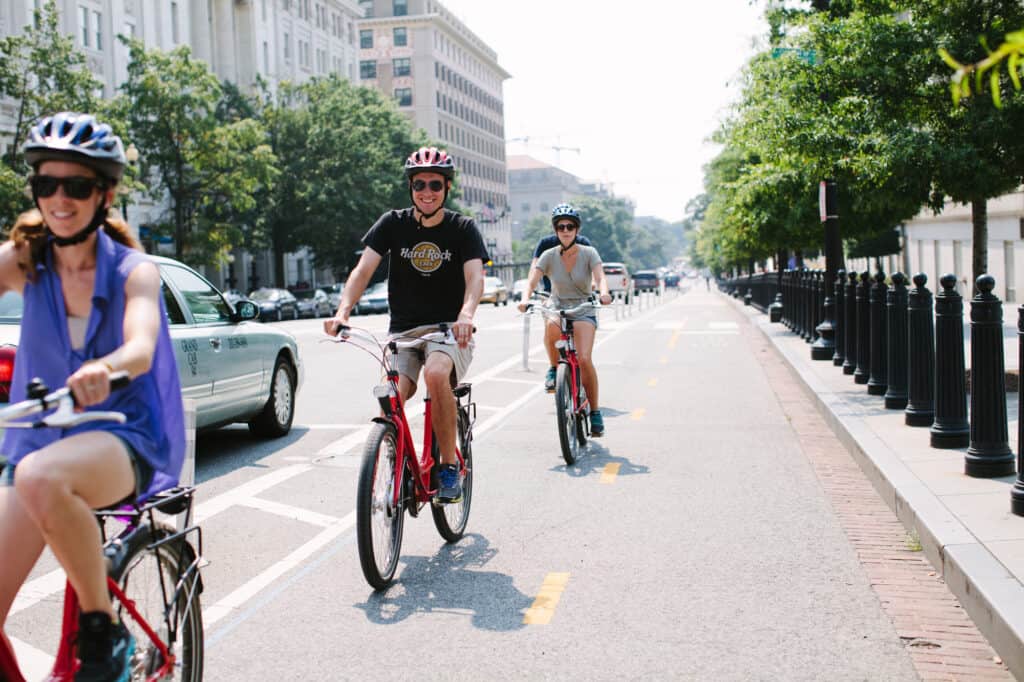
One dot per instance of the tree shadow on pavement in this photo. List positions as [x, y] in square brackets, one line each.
[448, 583]
[596, 458]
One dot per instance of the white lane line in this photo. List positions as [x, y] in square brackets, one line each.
[290, 511]
[250, 589]
[723, 325]
[327, 427]
[711, 332]
[35, 664]
[248, 489]
[510, 380]
[38, 589]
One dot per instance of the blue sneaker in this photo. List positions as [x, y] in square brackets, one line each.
[105, 649]
[596, 424]
[449, 484]
[549, 380]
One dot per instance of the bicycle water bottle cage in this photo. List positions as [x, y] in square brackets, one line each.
[383, 396]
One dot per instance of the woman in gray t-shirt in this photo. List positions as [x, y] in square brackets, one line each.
[573, 270]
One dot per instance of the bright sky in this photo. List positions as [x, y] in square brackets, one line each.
[637, 86]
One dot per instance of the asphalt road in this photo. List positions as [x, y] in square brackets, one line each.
[692, 542]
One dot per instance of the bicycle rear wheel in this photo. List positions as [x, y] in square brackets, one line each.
[565, 413]
[169, 603]
[451, 519]
[379, 521]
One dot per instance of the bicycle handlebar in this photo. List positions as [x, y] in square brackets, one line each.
[63, 400]
[551, 312]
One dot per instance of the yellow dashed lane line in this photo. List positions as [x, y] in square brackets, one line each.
[638, 414]
[543, 607]
[610, 472]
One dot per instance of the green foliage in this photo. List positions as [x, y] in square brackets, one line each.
[208, 170]
[41, 73]
[1009, 52]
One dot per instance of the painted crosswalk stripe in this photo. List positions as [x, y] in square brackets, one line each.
[543, 607]
[611, 470]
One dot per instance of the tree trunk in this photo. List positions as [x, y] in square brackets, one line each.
[979, 241]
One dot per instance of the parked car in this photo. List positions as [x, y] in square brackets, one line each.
[494, 291]
[617, 275]
[235, 369]
[518, 289]
[646, 280]
[672, 280]
[334, 295]
[373, 300]
[313, 303]
[275, 304]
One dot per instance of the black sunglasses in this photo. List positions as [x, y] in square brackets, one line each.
[75, 186]
[434, 185]
[565, 227]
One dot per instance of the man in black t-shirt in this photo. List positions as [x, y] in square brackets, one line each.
[436, 276]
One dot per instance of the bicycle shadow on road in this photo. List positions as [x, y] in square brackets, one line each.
[448, 583]
[596, 458]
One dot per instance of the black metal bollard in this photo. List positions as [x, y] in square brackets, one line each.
[989, 454]
[850, 324]
[879, 337]
[775, 309]
[807, 306]
[748, 296]
[838, 321]
[921, 356]
[896, 355]
[863, 371]
[950, 428]
[1017, 492]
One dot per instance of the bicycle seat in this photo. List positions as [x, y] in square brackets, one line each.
[462, 389]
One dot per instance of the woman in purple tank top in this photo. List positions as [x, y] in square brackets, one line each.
[92, 306]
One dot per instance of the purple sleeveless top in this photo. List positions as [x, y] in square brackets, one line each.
[155, 425]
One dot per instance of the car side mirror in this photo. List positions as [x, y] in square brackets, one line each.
[246, 310]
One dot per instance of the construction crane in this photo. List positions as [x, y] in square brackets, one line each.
[557, 147]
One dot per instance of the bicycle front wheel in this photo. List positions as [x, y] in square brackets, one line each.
[565, 413]
[582, 417]
[451, 519]
[379, 521]
[166, 596]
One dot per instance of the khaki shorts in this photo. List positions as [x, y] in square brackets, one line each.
[409, 361]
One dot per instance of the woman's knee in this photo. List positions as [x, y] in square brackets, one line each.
[39, 487]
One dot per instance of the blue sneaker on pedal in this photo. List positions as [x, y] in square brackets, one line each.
[549, 380]
[449, 484]
[596, 424]
[105, 649]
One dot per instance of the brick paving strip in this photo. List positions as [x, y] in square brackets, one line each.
[943, 642]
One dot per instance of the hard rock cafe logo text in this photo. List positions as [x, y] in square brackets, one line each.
[425, 256]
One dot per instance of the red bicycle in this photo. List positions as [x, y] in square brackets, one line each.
[152, 568]
[572, 408]
[393, 479]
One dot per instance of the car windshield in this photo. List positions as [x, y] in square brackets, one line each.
[11, 304]
[264, 295]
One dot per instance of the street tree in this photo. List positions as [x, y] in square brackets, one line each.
[207, 170]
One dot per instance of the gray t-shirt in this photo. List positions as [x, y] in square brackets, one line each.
[569, 288]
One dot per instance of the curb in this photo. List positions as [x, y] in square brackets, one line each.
[991, 595]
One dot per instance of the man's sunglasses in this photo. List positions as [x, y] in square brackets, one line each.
[565, 227]
[434, 185]
[75, 186]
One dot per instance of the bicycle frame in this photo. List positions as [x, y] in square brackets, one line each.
[566, 346]
[66, 663]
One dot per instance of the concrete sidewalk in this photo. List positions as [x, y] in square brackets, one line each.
[964, 524]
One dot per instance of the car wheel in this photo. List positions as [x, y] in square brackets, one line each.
[275, 419]
[280, 315]
[295, 313]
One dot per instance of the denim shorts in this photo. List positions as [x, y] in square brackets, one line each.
[143, 475]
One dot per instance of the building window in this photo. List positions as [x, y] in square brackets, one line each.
[400, 7]
[401, 37]
[287, 46]
[97, 29]
[266, 57]
[263, 9]
[367, 69]
[84, 12]
[367, 7]
[402, 67]
[403, 96]
[365, 39]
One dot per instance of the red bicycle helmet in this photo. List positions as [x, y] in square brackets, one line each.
[430, 160]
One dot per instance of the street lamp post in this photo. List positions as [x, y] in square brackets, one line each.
[824, 348]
